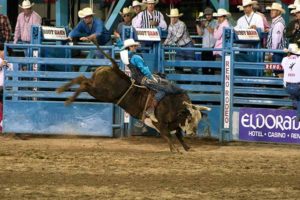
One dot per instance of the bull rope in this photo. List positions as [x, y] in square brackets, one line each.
[122, 97]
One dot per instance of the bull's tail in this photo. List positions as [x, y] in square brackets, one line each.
[114, 64]
[83, 83]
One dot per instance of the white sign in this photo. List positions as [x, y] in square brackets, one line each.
[227, 92]
[147, 34]
[54, 33]
[247, 34]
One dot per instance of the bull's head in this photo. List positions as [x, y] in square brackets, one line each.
[191, 122]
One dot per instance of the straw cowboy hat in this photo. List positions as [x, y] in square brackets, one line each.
[137, 3]
[221, 12]
[85, 12]
[126, 10]
[293, 48]
[129, 42]
[26, 4]
[246, 3]
[276, 6]
[294, 5]
[150, 1]
[174, 13]
[297, 9]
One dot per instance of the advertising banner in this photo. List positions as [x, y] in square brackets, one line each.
[269, 125]
[54, 33]
[147, 34]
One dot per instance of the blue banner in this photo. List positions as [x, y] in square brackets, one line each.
[269, 125]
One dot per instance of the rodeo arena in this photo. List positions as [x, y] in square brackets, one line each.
[150, 99]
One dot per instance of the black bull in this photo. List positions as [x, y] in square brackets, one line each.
[175, 113]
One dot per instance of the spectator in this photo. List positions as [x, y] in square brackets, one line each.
[250, 19]
[137, 8]
[291, 78]
[222, 15]
[294, 5]
[276, 37]
[179, 36]
[293, 28]
[150, 18]
[26, 19]
[5, 29]
[127, 16]
[206, 29]
[89, 28]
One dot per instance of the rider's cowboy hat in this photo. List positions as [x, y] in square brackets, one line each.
[221, 12]
[137, 3]
[129, 42]
[276, 6]
[246, 3]
[85, 12]
[294, 5]
[125, 11]
[174, 13]
[150, 1]
[26, 4]
[293, 48]
[297, 9]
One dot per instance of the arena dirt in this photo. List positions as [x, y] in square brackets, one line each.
[143, 168]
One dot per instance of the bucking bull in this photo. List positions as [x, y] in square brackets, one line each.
[175, 113]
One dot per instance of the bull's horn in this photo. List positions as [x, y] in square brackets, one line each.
[187, 104]
[202, 108]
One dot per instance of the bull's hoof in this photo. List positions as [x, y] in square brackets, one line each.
[68, 102]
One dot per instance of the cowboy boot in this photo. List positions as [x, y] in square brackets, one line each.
[150, 111]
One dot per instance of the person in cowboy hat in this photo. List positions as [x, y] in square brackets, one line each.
[5, 29]
[206, 29]
[141, 73]
[89, 28]
[179, 36]
[291, 77]
[137, 8]
[127, 16]
[276, 36]
[26, 19]
[150, 18]
[250, 19]
[221, 15]
[293, 28]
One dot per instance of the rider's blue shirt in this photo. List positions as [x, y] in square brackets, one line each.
[137, 61]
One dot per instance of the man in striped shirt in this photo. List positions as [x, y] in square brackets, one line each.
[276, 37]
[150, 18]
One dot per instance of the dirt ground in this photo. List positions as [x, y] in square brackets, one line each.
[143, 168]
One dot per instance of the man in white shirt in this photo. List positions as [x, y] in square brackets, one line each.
[276, 37]
[291, 78]
[250, 20]
[150, 18]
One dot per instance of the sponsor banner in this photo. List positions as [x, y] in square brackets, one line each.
[147, 34]
[227, 92]
[269, 125]
[273, 66]
[54, 33]
[247, 34]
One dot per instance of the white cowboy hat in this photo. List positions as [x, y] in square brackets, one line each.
[128, 43]
[297, 9]
[201, 14]
[293, 48]
[276, 6]
[150, 1]
[85, 12]
[174, 13]
[294, 5]
[126, 10]
[221, 12]
[26, 4]
[246, 3]
[137, 3]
